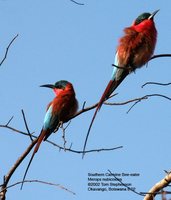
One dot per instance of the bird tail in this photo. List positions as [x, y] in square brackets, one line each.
[39, 141]
[112, 85]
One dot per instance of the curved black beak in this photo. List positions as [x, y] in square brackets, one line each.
[153, 14]
[48, 86]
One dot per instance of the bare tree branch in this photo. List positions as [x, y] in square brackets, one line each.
[89, 108]
[25, 122]
[155, 83]
[95, 150]
[12, 170]
[80, 4]
[7, 49]
[58, 146]
[146, 97]
[39, 181]
[130, 189]
[27, 151]
[158, 187]
[137, 100]
[160, 56]
[14, 129]
[155, 190]
[9, 121]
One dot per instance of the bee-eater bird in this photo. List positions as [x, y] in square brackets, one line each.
[60, 110]
[134, 50]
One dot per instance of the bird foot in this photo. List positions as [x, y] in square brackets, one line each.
[59, 125]
[131, 69]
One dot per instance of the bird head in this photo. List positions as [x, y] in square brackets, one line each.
[145, 16]
[145, 23]
[59, 86]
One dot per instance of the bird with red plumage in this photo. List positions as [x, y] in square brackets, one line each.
[60, 110]
[134, 50]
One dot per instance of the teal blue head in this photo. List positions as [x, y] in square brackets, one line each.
[58, 85]
[145, 16]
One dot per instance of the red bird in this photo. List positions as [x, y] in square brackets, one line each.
[134, 50]
[60, 110]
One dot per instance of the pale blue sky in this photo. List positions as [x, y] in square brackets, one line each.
[61, 40]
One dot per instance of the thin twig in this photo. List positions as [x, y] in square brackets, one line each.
[7, 49]
[146, 97]
[67, 125]
[26, 125]
[139, 193]
[90, 108]
[137, 100]
[125, 102]
[80, 4]
[155, 83]
[58, 146]
[63, 135]
[9, 121]
[15, 130]
[98, 150]
[160, 55]
[39, 181]
[84, 105]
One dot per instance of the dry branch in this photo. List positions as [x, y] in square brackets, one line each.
[43, 182]
[12, 170]
[122, 183]
[7, 177]
[80, 4]
[56, 145]
[155, 190]
[155, 83]
[158, 187]
[160, 56]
